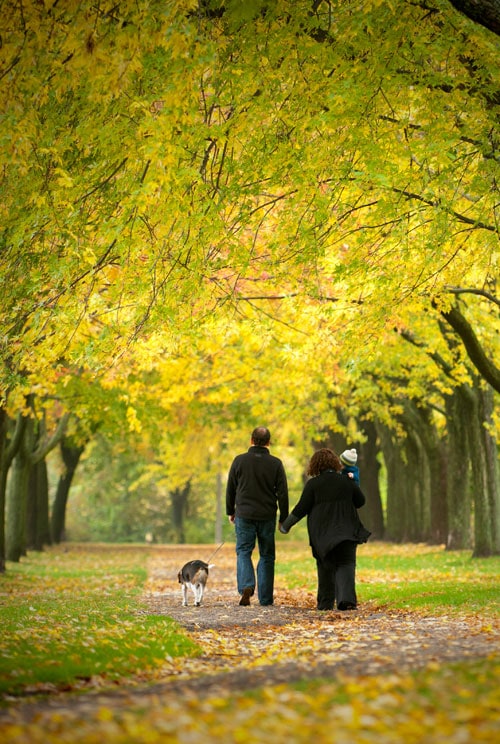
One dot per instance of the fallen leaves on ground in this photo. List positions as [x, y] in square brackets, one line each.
[456, 705]
[288, 674]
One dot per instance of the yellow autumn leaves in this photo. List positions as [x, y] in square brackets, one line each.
[455, 704]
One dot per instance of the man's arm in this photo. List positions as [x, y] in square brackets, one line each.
[231, 494]
[282, 493]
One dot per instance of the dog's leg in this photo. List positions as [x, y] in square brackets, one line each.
[198, 593]
[193, 589]
[184, 595]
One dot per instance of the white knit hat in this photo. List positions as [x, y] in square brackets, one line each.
[349, 457]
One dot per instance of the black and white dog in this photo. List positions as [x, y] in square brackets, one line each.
[193, 575]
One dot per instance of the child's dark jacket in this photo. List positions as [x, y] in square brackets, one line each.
[351, 469]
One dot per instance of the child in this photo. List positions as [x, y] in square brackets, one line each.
[349, 458]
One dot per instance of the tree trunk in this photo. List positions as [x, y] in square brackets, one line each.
[37, 511]
[4, 421]
[179, 499]
[484, 12]
[70, 454]
[17, 497]
[8, 449]
[408, 483]
[492, 464]
[31, 508]
[484, 468]
[439, 503]
[419, 507]
[433, 473]
[458, 498]
[26, 457]
[369, 468]
[397, 493]
[43, 536]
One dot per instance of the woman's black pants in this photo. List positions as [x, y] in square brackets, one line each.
[337, 577]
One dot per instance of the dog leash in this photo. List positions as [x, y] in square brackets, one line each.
[215, 552]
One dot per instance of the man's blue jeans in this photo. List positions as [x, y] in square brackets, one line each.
[248, 531]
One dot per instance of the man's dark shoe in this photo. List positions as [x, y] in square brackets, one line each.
[245, 596]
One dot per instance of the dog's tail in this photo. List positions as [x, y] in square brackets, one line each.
[211, 565]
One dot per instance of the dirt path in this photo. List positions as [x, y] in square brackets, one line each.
[292, 640]
[255, 646]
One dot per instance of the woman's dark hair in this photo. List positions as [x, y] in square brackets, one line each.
[323, 459]
[261, 436]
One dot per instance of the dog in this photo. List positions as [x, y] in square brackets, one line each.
[193, 575]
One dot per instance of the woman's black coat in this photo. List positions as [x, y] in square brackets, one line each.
[331, 502]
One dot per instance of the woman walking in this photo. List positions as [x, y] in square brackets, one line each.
[331, 502]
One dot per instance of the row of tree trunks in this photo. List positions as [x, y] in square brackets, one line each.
[445, 491]
[26, 503]
[442, 488]
[438, 490]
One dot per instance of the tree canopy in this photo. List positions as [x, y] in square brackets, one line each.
[247, 208]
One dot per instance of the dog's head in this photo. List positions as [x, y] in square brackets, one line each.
[179, 576]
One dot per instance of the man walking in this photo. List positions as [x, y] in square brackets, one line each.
[256, 487]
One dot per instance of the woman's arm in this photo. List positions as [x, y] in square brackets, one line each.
[358, 497]
[303, 507]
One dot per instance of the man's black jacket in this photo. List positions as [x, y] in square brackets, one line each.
[257, 486]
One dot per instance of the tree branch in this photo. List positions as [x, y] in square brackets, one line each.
[436, 358]
[480, 292]
[103, 182]
[48, 445]
[484, 365]
[434, 203]
[484, 12]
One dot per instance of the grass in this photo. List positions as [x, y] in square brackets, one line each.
[418, 577]
[67, 617]
[430, 578]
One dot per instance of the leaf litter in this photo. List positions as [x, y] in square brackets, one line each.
[286, 673]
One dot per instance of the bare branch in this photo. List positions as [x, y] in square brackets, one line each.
[104, 182]
[480, 292]
[434, 203]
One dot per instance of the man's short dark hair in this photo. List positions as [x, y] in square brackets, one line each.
[261, 436]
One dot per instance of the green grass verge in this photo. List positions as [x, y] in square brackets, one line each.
[71, 616]
[417, 577]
